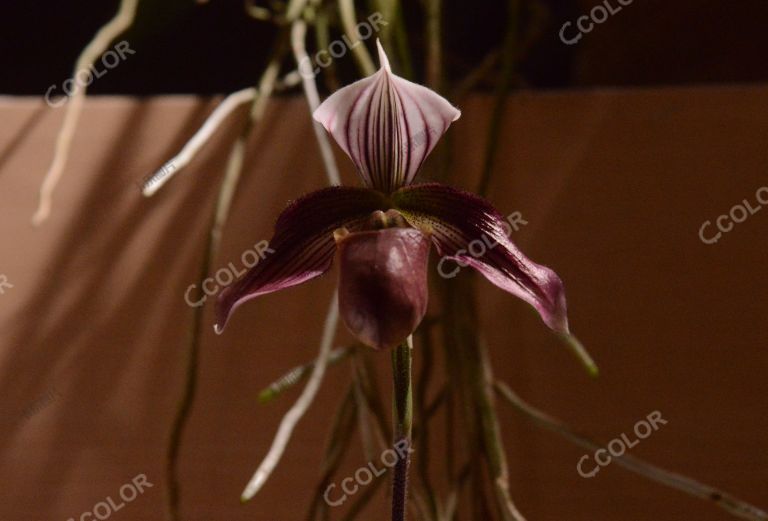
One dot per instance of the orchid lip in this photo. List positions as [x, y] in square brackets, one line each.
[383, 290]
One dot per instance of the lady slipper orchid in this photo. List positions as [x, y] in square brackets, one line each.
[383, 231]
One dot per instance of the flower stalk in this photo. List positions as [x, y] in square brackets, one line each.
[403, 422]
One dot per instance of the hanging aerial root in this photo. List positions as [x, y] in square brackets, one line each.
[122, 21]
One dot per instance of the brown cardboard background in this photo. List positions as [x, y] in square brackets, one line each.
[614, 184]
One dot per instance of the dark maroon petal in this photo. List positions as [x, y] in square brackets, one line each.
[455, 219]
[383, 284]
[387, 125]
[302, 247]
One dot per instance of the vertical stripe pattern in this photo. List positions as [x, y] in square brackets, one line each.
[387, 125]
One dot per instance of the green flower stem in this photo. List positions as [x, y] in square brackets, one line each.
[403, 420]
[367, 378]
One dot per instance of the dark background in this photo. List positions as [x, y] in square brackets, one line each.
[187, 47]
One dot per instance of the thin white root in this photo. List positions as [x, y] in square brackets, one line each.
[288, 81]
[201, 137]
[296, 412]
[122, 20]
[298, 35]
[237, 157]
[294, 10]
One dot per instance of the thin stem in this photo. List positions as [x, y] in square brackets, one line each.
[364, 498]
[187, 397]
[288, 81]
[401, 40]
[477, 397]
[381, 426]
[294, 10]
[220, 213]
[449, 510]
[434, 40]
[111, 30]
[458, 404]
[578, 349]
[507, 73]
[198, 140]
[342, 427]
[387, 9]
[369, 385]
[497, 459]
[434, 76]
[393, 36]
[363, 414]
[475, 76]
[349, 20]
[403, 419]
[440, 398]
[298, 35]
[323, 40]
[292, 417]
[237, 155]
[731, 504]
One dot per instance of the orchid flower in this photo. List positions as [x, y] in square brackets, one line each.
[383, 231]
